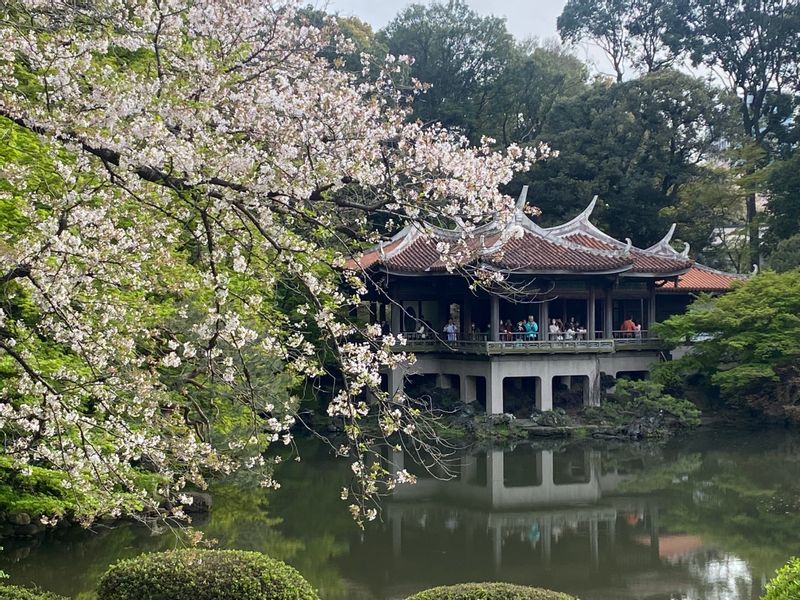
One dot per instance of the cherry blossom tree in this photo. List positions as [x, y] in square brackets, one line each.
[198, 164]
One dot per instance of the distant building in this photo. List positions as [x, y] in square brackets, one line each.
[573, 272]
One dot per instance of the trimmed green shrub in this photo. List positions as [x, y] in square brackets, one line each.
[488, 591]
[194, 574]
[12, 592]
[786, 583]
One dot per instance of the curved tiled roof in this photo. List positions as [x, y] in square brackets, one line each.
[701, 278]
[519, 245]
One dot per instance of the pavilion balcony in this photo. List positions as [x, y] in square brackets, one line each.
[519, 344]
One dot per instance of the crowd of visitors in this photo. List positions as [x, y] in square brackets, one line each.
[523, 330]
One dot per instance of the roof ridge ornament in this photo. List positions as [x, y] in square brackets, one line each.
[523, 197]
[663, 245]
[685, 251]
[587, 212]
[755, 269]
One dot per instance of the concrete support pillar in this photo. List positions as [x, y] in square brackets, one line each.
[495, 474]
[497, 539]
[591, 388]
[546, 527]
[654, 538]
[547, 469]
[612, 533]
[567, 381]
[594, 544]
[397, 318]
[544, 393]
[397, 460]
[494, 310]
[544, 321]
[494, 393]
[590, 315]
[397, 536]
[468, 388]
[608, 316]
[469, 469]
[396, 379]
[443, 381]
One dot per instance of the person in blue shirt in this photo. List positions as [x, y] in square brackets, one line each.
[531, 328]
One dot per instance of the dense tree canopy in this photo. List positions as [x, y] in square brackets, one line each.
[635, 144]
[184, 183]
[754, 46]
[630, 32]
[747, 343]
[481, 81]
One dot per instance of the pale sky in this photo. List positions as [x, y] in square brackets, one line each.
[524, 18]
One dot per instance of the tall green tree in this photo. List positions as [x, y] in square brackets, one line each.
[783, 208]
[630, 32]
[533, 81]
[709, 212]
[754, 46]
[462, 55]
[750, 344]
[635, 144]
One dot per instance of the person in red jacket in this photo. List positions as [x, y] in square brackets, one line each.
[628, 327]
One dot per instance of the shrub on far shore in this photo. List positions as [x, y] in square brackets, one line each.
[195, 574]
[488, 591]
[786, 583]
[12, 592]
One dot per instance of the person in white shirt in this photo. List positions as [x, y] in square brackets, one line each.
[451, 331]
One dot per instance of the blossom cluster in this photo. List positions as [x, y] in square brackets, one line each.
[208, 169]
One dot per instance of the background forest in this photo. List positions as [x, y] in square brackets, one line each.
[697, 124]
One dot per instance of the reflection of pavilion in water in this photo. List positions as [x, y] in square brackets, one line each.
[512, 496]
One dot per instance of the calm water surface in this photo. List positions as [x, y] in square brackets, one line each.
[705, 517]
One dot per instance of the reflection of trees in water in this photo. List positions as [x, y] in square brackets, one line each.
[71, 561]
[733, 501]
[739, 493]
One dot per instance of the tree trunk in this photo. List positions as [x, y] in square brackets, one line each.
[753, 234]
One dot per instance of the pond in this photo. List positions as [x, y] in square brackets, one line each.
[703, 517]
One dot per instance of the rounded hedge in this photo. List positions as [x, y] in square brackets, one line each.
[786, 583]
[194, 574]
[12, 592]
[488, 591]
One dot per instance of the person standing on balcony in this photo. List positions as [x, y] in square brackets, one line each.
[555, 330]
[628, 327]
[451, 331]
[531, 328]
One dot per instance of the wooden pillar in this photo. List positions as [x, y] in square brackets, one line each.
[494, 309]
[608, 318]
[544, 321]
[651, 309]
[466, 317]
[590, 316]
[443, 317]
[397, 318]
